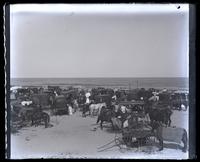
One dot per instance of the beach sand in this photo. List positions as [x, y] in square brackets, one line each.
[77, 137]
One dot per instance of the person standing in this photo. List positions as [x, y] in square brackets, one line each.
[86, 106]
[70, 110]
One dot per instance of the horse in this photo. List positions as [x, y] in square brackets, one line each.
[86, 109]
[159, 113]
[96, 108]
[105, 115]
[170, 134]
[39, 117]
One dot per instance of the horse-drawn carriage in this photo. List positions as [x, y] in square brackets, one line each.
[59, 105]
[117, 112]
[139, 132]
[135, 131]
[136, 125]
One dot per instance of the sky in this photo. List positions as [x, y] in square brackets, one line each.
[126, 40]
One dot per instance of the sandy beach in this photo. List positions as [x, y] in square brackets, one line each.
[128, 63]
[77, 137]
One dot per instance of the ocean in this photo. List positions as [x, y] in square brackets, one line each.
[169, 83]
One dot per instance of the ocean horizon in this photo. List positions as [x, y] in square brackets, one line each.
[128, 82]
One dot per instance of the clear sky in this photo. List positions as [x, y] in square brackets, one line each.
[99, 41]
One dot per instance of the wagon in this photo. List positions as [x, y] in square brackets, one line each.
[59, 105]
[139, 133]
[137, 136]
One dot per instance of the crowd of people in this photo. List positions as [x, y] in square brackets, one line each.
[70, 100]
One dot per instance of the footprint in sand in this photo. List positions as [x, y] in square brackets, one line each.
[27, 139]
[94, 129]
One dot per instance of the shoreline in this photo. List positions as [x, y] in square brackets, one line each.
[119, 83]
[90, 86]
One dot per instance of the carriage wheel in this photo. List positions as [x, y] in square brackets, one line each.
[127, 140]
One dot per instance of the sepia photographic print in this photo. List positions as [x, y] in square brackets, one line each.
[99, 81]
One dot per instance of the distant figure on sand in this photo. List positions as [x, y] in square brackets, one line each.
[87, 104]
[70, 110]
